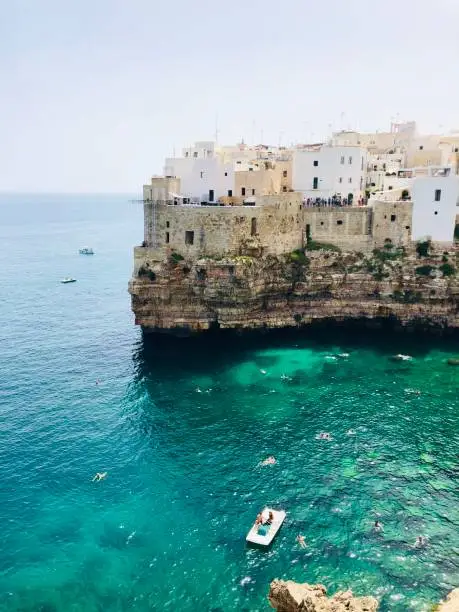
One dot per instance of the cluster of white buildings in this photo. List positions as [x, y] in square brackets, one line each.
[352, 168]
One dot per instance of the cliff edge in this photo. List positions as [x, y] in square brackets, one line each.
[175, 295]
[289, 596]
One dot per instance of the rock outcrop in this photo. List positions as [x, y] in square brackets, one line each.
[451, 604]
[288, 596]
[172, 294]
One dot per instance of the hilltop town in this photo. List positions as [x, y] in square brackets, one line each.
[362, 226]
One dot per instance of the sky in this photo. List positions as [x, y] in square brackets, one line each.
[94, 94]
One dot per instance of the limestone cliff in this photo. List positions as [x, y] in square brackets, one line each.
[172, 294]
[288, 596]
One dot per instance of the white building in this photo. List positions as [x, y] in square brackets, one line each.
[324, 171]
[435, 204]
[204, 173]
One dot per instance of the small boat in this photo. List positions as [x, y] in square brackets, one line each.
[401, 357]
[263, 534]
[68, 280]
[86, 251]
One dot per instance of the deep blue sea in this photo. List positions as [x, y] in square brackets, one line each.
[181, 427]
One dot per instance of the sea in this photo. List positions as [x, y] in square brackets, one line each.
[182, 427]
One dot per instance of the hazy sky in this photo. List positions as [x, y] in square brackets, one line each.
[95, 93]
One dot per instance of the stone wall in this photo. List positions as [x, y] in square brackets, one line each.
[345, 227]
[274, 225]
[391, 221]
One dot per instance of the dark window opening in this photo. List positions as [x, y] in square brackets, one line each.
[243, 191]
[253, 191]
[253, 226]
[284, 173]
[456, 150]
[250, 169]
[339, 222]
[437, 195]
[189, 237]
[230, 193]
[393, 217]
[436, 212]
[390, 187]
[226, 173]
[167, 224]
[321, 223]
[315, 182]
[421, 147]
[202, 174]
[315, 163]
[284, 188]
[407, 227]
[211, 195]
[167, 237]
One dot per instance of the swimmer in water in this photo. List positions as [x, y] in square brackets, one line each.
[378, 526]
[99, 476]
[421, 541]
[269, 461]
[350, 432]
[324, 435]
[301, 541]
[263, 371]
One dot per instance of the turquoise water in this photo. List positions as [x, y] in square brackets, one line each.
[181, 427]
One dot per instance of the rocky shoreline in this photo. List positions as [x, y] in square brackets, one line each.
[173, 295]
[289, 596]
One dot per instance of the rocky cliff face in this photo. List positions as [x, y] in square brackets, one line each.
[293, 597]
[175, 295]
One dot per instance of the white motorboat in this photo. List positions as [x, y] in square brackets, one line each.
[68, 280]
[264, 533]
[86, 251]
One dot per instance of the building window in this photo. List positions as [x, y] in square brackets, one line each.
[243, 191]
[226, 173]
[315, 163]
[284, 173]
[392, 218]
[195, 154]
[340, 179]
[456, 150]
[390, 187]
[407, 227]
[350, 179]
[253, 226]
[284, 188]
[186, 154]
[315, 182]
[253, 191]
[321, 223]
[436, 212]
[230, 193]
[339, 222]
[342, 159]
[202, 174]
[189, 237]
[167, 237]
[437, 195]
[250, 169]
[421, 147]
[350, 159]
[167, 224]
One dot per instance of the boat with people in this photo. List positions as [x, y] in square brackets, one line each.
[266, 526]
[86, 251]
[68, 280]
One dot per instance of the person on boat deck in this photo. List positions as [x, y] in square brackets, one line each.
[270, 519]
[259, 520]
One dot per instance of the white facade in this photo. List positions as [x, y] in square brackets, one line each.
[435, 205]
[203, 173]
[327, 171]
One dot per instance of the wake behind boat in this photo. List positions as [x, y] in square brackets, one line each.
[68, 280]
[264, 529]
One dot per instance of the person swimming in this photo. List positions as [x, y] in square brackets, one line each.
[301, 541]
[421, 541]
[323, 435]
[378, 526]
[99, 476]
[269, 461]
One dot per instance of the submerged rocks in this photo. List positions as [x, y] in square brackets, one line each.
[289, 596]
[454, 361]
